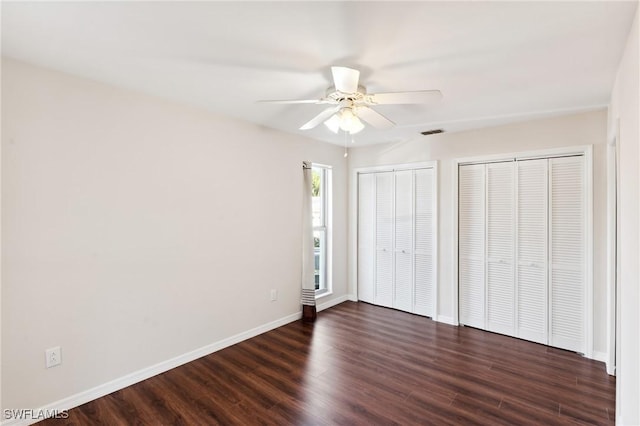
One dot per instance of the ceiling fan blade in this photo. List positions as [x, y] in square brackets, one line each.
[417, 97]
[345, 79]
[374, 118]
[324, 115]
[298, 101]
[289, 101]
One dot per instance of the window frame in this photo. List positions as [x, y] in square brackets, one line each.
[324, 228]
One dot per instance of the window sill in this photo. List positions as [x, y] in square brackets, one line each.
[323, 293]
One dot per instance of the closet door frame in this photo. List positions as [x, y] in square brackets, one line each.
[354, 223]
[584, 150]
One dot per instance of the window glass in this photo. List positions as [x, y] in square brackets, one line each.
[317, 178]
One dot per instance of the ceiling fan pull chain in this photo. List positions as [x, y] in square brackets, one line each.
[345, 144]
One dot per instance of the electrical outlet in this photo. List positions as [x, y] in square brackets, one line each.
[274, 294]
[53, 357]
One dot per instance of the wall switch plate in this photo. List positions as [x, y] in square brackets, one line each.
[274, 295]
[53, 357]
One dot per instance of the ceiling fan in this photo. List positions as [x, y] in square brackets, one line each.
[350, 102]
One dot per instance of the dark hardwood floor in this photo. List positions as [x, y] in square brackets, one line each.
[362, 364]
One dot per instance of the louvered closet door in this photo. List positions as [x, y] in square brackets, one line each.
[384, 239]
[567, 256]
[531, 251]
[471, 243]
[424, 214]
[366, 236]
[500, 246]
[403, 288]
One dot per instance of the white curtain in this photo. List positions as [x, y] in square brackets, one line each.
[308, 264]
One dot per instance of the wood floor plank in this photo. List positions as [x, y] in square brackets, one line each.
[363, 364]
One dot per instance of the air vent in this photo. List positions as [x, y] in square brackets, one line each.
[432, 132]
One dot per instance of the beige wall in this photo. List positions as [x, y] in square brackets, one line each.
[580, 129]
[624, 115]
[137, 230]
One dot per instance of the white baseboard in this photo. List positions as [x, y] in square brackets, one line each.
[331, 303]
[446, 319]
[140, 375]
[599, 356]
[352, 297]
[604, 357]
[611, 369]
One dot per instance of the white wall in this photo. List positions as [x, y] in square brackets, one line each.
[624, 112]
[580, 129]
[137, 230]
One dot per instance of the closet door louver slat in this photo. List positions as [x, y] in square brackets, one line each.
[403, 289]
[424, 242]
[366, 237]
[531, 279]
[471, 244]
[500, 246]
[384, 239]
[567, 257]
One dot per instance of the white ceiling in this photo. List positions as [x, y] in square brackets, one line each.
[495, 62]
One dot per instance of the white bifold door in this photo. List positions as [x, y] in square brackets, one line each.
[532, 304]
[396, 239]
[471, 245]
[522, 247]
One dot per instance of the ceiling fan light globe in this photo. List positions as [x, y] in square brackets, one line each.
[346, 114]
[349, 122]
[356, 126]
[333, 123]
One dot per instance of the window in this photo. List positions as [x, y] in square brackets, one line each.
[321, 195]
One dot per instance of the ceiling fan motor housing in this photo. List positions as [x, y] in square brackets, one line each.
[337, 96]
